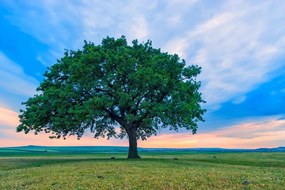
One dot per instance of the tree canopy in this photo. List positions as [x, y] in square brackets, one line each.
[135, 88]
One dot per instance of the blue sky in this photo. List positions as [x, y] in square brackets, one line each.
[239, 44]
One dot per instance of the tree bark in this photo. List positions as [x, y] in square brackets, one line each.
[133, 147]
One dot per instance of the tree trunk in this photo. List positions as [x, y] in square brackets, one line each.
[133, 147]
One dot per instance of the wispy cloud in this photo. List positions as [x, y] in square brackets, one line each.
[268, 132]
[239, 45]
[235, 47]
[10, 138]
[8, 117]
[9, 121]
[14, 80]
[235, 42]
[72, 23]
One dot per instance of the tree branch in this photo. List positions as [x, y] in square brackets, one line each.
[149, 109]
[106, 91]
[117, 118]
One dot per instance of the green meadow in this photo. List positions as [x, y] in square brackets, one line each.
[21, 169]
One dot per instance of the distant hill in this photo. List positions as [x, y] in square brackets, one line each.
[278, 149]
[123, 149]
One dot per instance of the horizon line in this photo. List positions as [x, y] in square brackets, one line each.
[143, 147]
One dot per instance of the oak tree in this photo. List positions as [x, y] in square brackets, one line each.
[115, 90]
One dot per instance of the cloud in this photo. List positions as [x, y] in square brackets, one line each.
[237, 48]
[239, 100]
[139, 30]
[235, 42]
[9, 121]
[265, 100]
[14, 80]
[11, 138]
[239, 45]
[72, 23]
[8, 117]
[269, 132]
[253, 130]
[262, 132]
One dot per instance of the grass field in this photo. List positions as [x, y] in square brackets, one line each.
[39, 170]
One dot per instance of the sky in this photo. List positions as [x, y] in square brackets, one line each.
[240, 45]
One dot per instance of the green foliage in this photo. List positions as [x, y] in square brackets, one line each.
[138, 87]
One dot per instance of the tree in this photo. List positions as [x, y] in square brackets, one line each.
[136, 88]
